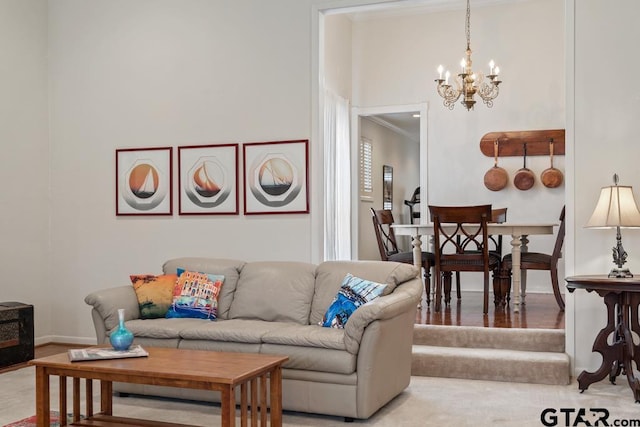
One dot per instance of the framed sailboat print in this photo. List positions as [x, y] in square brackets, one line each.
[143, 181]
[276, 177]
[208, 179]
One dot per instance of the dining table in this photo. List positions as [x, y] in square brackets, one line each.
[519, 233]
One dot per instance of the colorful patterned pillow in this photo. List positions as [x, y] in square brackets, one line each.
[155, 293]
[353, 292]
[196, 295]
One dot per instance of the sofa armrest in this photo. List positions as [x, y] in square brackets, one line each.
[106, 303]
[403, 299]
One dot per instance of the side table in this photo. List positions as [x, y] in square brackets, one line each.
[622, 297]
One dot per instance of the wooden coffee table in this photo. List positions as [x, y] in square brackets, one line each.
[205, 370]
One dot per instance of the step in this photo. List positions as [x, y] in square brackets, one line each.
[533, 367]
[498, 354]
[549, 340]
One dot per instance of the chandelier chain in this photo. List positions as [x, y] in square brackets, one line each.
[467, 27]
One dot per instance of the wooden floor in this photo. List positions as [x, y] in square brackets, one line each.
[540, 311]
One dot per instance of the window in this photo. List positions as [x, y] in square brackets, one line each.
[366, 179]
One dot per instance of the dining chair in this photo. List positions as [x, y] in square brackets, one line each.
[498, 216]
[537, 261]
[470, 252]
[388, 246]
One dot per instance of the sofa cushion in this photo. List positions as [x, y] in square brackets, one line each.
[274, 291]
[307, 336]
[329, 277]
[229, 268]
[196, 295]
[314, 359]
[234, 330]
[154, 293]
[353, 293]
[160, 328]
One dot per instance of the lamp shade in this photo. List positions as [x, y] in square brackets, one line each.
[616, 208]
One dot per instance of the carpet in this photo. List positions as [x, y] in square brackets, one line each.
[426, 402]
[54, 420]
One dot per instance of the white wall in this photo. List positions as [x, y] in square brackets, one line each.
[150, 73]
[605, 142]
[395, 62]
[401, 153]
[24, 162]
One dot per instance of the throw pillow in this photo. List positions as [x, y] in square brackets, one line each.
[196, 295]
[353, 293]
[155, 293]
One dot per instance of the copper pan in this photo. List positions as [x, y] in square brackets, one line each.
[551, 177]
[496, 178]
[524, 178]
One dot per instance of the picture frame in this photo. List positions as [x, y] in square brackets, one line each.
[144, 181]
[276, 177]
[387, 187]
[208, 179]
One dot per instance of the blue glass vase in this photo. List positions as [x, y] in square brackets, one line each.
[121, 338]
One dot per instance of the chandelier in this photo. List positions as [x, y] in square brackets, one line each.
[468, 83]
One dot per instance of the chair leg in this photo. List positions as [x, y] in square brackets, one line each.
[427, 283]
[437, 299]
[458, 285]
[485, 302]
[556, 288]
[447, 287]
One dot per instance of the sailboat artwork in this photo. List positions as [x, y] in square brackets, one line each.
[276, 176]
[203, 178]
[143, 181]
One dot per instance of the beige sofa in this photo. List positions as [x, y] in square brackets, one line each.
[274, 308]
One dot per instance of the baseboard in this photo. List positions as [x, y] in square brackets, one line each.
[59, 339]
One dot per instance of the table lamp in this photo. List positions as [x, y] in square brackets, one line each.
[616, 208]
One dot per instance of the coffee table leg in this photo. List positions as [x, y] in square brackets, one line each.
[42, 397]
[62, 386]
[228, 406]
[276, 397]
[106, 397]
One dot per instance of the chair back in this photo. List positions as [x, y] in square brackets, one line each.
[382, 221]
[415, 200]
[468, 253]
[557, 248]
[499, 215]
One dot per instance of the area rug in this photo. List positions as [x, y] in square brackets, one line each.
[54, 420]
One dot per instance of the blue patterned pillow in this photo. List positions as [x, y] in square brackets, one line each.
[195, 295]
[353, 292]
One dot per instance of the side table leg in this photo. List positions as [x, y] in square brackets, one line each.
[611, 354]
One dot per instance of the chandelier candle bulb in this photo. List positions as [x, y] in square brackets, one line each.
[440, 69]
[491, 66]
[446, 78]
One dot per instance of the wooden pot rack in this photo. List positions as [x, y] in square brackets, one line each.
[511, 143]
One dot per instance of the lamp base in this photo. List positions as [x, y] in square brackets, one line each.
[620, 273]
